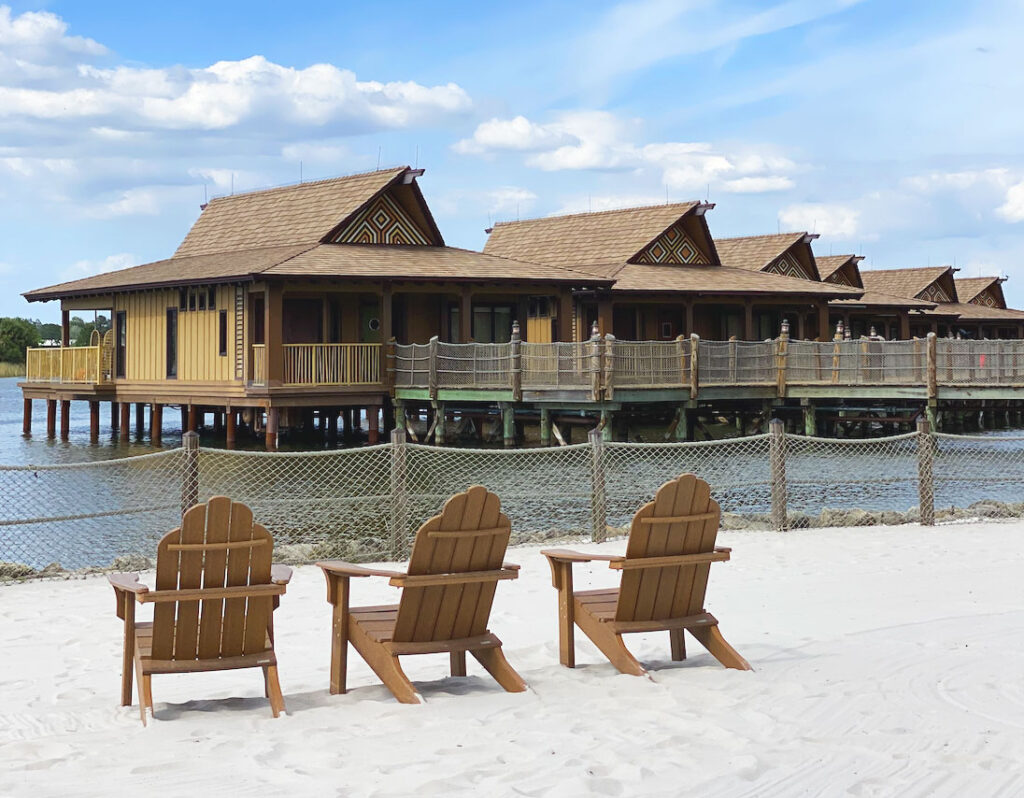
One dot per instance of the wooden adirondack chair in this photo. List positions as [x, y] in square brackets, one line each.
[445, 604]
[664, 578]
[215, 594]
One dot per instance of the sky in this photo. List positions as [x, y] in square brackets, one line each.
[892, 128]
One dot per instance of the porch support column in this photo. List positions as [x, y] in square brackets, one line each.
[801, 327]
[386, 323]
[65, 419]
[689, 316]
[565, 315]
[373, 424]
[273, 418]
[51, 418]
[229, 428]
[904, 317]
[545, 427]
[115, 416]
[273, 322]
[193, 418]
[332, 424]
[125, 426]
[748, 320]
[508, 424]
[465, 315]
[65, 328]
[604, 316]
[156, 423]
[824, 333]
[26, 419]
[140, 419]
[94, 421]
[440, 426]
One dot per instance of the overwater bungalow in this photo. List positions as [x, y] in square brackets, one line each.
[281, 301]
[671, 277]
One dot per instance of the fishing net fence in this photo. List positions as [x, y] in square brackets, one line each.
[365, 504]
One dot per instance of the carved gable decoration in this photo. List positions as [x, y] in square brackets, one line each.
[788, 266]
[382, 222]
[934, 293]
[988, 299]
[672, 246]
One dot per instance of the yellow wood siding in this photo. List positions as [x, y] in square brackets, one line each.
[198, 337]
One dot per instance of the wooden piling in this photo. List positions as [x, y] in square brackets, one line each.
[229, 427]
[925, 473]
[270, 435]
[373, 424]
[51, 418]
[193, 418]
[777, 473]
[810, 422]
[140, 419]
[26, 418]
[125, 426]
[508, 424]
[545, 427]
[94, 421]
[156, 423]
[65, 419]
[115, 416]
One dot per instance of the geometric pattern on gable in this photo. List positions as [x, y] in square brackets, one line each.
[839, 278]
[988, 299]
[934, 293]
[382, 222]
[672, 246]
[787, 265]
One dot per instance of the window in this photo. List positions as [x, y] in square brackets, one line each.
[211, 298]
[191, 300]
[172, 343]
[183, 299]
[492, 323]
[201, 300]
[222, 333]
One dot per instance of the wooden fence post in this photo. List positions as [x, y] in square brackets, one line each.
[516, 364]
[609, 367]
[925, 472]
[190, 471]
[399, 520]
[931, 365]
[694, 367]
[390, 362]
[777, 472]
[782, 352]
[432, 368]
[598, 505]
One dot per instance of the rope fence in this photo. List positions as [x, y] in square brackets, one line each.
[365, 504]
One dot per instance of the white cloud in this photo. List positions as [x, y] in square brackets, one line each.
[509, 199]
[87, 268]
[38, 34]
[132, 202]
[1012, 210]
[934, 182]
[605, 202]
[834, 220]
[602, 141]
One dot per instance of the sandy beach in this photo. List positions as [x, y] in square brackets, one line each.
[887, 662]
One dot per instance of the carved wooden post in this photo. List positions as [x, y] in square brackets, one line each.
[190, 471]
[732, 359]
[516, 364]
[432, 368]
[837, 341]
[694, 367]
[777, 471]
[931, 366]
[782, 352]
[388, 377]
[595, 363]
[925, 472]
[399, 520]
[609, 366]
[684, 372]
[598, 506]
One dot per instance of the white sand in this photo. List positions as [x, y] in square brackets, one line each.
[888, 661]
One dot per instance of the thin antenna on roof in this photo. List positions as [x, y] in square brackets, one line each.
[416, 162]
[204, 194]
[707, 193]
[517, 211]
[232, 183]
[778, 226]
[300, 171]
[378, 156]
[588, 203]
[666, 194]
[814, 226]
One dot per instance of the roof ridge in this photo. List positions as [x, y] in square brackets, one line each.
[287, 186]
[763, 235]
[290, 257]
[687, 203]
[907, 269]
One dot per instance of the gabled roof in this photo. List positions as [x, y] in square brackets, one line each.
[417, 262]
[903, 282]
[757, 252]
[830, 264]
[722, 280]
[879, 299]
[306, 213]
[968, 288]
[968, 311]
[599, 243]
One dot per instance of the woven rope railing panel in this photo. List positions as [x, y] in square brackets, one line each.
[827, 478]
[88, 514]
[737, 362]
[558, 365]
[979, 362]
[412, 365]
[982, 475]
[862, 362]
[737, 471]
[650, 363]
[473, 365]
[324, 504]
[546, 493]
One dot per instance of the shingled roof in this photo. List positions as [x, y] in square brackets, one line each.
[599, 243]
[902, 282]
[830, 264]
[757, 252]
[637, 277]
[968, 288]
[879, 299]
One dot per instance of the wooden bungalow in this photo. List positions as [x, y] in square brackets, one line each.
[983, 316]
[670, 277]
[875, 312]
[281, 301]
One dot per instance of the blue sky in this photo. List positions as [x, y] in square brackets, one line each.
[893, 129]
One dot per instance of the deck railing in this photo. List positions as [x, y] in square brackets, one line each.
[602, 366]
[321, 364]
[259, 364]
[66, 364]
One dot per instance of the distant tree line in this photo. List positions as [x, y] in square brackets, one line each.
[17, 335]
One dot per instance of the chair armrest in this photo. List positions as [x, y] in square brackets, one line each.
[511, 566]
[128, 583]
[280, 574]
[339, 568]
[567, 555]
[723, 549]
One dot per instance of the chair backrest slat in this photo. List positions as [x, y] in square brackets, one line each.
[682, 519]
[217, 545]
[470, 534]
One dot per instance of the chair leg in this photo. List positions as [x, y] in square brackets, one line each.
[385, 665]
[144, 684]
[458, 660]
[678, 642]
[504, 674]
[339, 649]
[711, 638]
[611, 644]
[273, 689]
